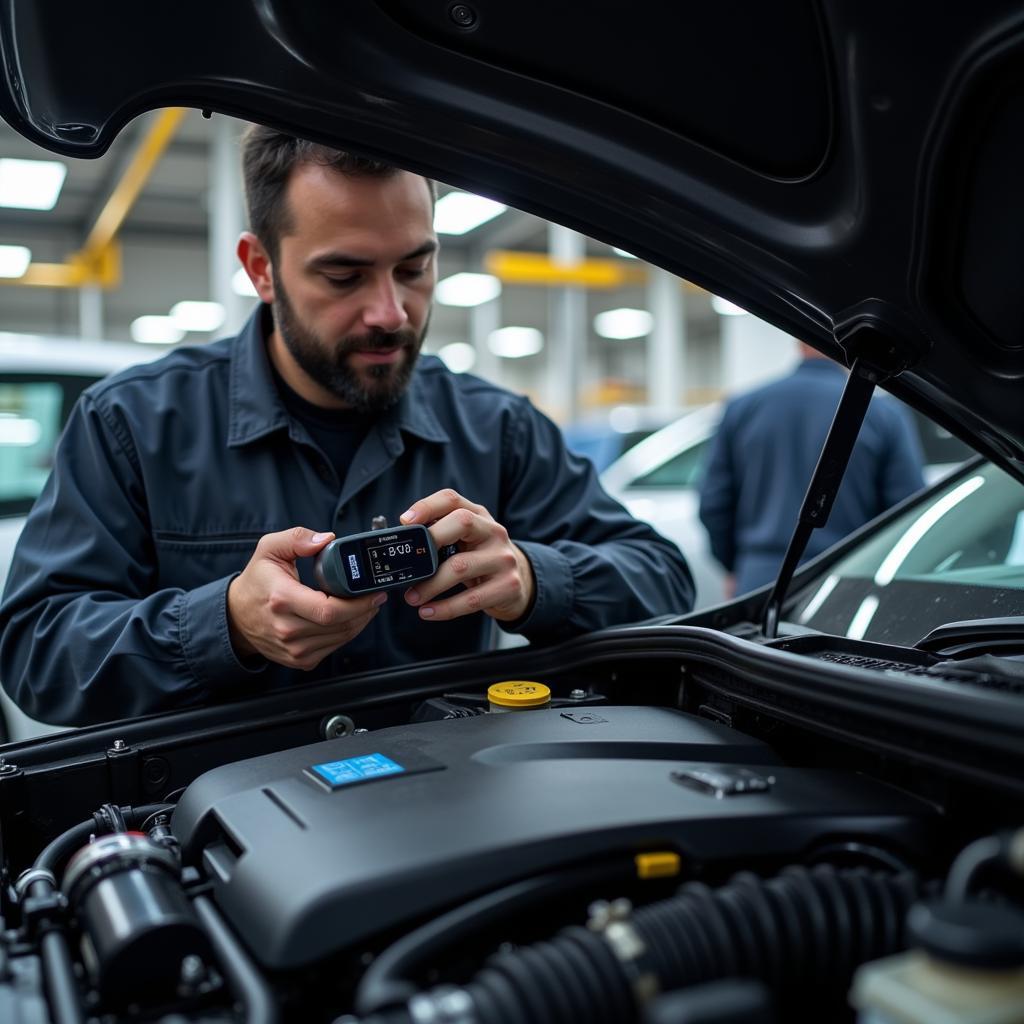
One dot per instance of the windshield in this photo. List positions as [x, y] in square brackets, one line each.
[958, 556]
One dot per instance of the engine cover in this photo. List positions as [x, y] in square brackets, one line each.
[315, 848]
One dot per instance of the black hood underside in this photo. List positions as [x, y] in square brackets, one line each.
[848, 171]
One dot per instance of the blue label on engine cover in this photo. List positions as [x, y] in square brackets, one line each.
[357, 769]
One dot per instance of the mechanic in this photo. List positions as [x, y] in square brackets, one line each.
[168, 561]
[761, 462]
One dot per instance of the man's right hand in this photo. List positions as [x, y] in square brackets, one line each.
[271, 613]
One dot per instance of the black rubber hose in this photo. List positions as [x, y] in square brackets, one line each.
[800, 932]
[58, 971]
[386, 983]
[56, 853]
[245, 979]
[805, 927]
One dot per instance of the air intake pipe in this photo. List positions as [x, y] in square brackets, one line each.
[800, 932]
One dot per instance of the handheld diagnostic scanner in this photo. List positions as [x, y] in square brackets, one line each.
[360, 563]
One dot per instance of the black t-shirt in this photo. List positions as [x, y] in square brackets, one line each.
[338, 432]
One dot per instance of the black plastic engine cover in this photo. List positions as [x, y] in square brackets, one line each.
[302, 869]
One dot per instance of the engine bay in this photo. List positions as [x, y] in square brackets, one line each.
[650, 841]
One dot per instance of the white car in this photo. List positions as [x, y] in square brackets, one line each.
[40, 381]
[658, 481]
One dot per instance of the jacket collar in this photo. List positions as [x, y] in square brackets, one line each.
[256, 409]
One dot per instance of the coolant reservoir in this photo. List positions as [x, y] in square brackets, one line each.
[970, 970]
[518, 695]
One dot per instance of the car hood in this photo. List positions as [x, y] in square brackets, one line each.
[850, 172]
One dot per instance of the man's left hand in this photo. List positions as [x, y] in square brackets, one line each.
[497, 576]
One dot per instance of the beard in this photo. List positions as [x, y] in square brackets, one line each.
[372, 390]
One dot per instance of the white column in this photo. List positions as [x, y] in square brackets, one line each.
[666, 345]
[90, 312]
[568, 329]
[484, 319]
[753, 352]
[227, 221]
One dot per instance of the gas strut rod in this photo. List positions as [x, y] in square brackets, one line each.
[879, 343]
[828, 475]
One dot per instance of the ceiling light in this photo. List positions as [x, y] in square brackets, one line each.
[459, 356]
[467, 289]
[31, 184]
[14, 260]
[156, 330]
[197, 316]
[623, 323]
[515, 342]
[723, 307]
[622, 252]
[459, 212]
[241, 285]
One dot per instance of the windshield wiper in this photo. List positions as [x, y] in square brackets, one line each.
[953, 639]
[876, 353]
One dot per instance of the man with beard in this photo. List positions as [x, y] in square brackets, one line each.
[168, 561]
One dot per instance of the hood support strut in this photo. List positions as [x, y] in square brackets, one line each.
[824, 485]
[875, 353]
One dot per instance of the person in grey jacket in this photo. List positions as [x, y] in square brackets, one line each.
[763, 456]
[168, 560]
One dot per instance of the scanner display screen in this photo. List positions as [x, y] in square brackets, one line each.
[385, 558]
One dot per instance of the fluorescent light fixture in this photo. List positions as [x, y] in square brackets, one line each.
[19, 431]
[197, 316]
[622, 252]
[156, 330]
[624, 419]
[467, 289]
[515, 342]
[31, 184]
[241, 285]
[723, 307]
[459, 212]
[459, 356]
[14, 260]
[621, 324]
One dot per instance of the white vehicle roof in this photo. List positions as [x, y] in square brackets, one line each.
[26, 353]
[657, 449]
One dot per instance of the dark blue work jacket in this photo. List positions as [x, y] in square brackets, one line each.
[169, 473]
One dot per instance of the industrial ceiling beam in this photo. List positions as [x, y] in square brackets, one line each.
[98, 262]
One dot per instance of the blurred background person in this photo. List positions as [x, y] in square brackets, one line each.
[763, 456]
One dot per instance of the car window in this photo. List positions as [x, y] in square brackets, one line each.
[683, 470]
[32, 413]
[939, 445]
[958, 556]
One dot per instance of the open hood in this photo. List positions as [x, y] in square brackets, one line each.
[850, 172]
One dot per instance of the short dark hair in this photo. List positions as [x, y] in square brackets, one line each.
[268, 159]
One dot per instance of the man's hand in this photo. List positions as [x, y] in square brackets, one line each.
[271, 613]
[497, 575]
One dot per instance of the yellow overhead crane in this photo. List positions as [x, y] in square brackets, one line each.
[98, 262]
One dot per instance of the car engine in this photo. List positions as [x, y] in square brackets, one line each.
[581, 859]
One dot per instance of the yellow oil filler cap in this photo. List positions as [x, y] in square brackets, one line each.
[518, 695]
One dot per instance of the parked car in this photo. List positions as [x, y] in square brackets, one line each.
[606, 436]
[731, 814]
[40, 381]
[658, 480]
